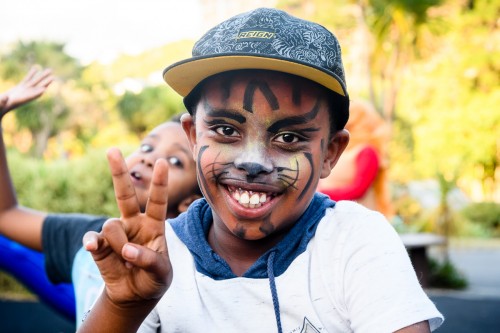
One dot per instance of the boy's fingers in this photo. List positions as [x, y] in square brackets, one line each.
[113, 232]
[92, 241]
[156, 206]
[124, 190]
[147, 259]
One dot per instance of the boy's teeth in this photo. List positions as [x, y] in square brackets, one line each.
[249, 199]
[254, 199]
[244, 198]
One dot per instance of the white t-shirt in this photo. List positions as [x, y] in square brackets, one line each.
[354, 276]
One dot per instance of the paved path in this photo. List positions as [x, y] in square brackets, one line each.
[476, 309]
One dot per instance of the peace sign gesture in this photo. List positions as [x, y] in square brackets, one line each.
[131, 252]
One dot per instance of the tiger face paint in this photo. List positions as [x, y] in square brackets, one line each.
[260, 146]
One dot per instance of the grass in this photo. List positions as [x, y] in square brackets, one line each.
[12, 289]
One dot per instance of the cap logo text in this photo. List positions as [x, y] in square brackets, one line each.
[255, 35]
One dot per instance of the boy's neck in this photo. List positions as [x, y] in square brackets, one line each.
[239, 254]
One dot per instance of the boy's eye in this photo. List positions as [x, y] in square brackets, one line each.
[287, 138]
[226, 131]
[174, 161]
[146, 148]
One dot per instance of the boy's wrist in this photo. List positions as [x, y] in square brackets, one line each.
[130, 309]
[118, 317]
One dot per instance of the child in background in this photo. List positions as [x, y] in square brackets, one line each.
[59, 236]
[263, 252]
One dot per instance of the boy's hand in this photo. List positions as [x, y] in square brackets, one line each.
[31, 87]
[131, 252]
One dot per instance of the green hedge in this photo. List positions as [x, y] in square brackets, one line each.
[81, 185]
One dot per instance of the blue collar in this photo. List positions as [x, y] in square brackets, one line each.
[192, 228]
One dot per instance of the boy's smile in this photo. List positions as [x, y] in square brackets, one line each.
[261, 145]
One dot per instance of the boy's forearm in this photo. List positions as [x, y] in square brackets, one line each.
[106, 316]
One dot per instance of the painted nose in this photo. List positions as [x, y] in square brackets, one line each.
[253, 169]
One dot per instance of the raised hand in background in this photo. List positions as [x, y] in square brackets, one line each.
[32, 86]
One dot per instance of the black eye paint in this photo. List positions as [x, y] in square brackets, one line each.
[266, 91]
[297, 120]
[311, 177]
[223, 114]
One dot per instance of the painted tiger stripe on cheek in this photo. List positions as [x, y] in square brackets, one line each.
[201, 177]
[311, 176]
[266, 91]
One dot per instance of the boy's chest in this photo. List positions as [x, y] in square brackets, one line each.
[199, 303]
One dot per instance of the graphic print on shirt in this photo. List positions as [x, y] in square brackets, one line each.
[308, 327]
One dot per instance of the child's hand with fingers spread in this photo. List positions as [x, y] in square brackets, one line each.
[131, 252]
[31, 87]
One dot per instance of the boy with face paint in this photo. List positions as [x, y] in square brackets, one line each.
[263, 251]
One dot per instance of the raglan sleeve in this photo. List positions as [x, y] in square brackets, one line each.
[381, 290]
[62, 236]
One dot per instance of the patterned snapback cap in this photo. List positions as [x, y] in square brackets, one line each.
[264, 38]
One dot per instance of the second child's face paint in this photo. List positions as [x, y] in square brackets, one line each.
[260, 149]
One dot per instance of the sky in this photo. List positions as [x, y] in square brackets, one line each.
[99, 30]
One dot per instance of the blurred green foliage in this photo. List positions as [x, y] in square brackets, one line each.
[81, 185]
[485, 215]
[445, 275]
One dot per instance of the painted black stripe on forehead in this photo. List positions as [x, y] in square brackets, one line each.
[296, 94]
[226, 87]
[297, 120]
[266, 91]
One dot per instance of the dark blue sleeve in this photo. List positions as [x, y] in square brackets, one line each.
[62, 236]
[28, 267]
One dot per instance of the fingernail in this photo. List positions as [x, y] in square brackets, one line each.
[88, 245]
[130, 252]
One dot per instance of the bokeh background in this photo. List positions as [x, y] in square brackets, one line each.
[431, 68]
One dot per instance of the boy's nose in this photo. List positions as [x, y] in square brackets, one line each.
[253, 161]
[253, 169]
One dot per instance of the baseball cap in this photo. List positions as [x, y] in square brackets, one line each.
[266, 39]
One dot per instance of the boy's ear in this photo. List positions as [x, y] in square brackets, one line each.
[335, 148]
[184, 204]
[189, 128]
